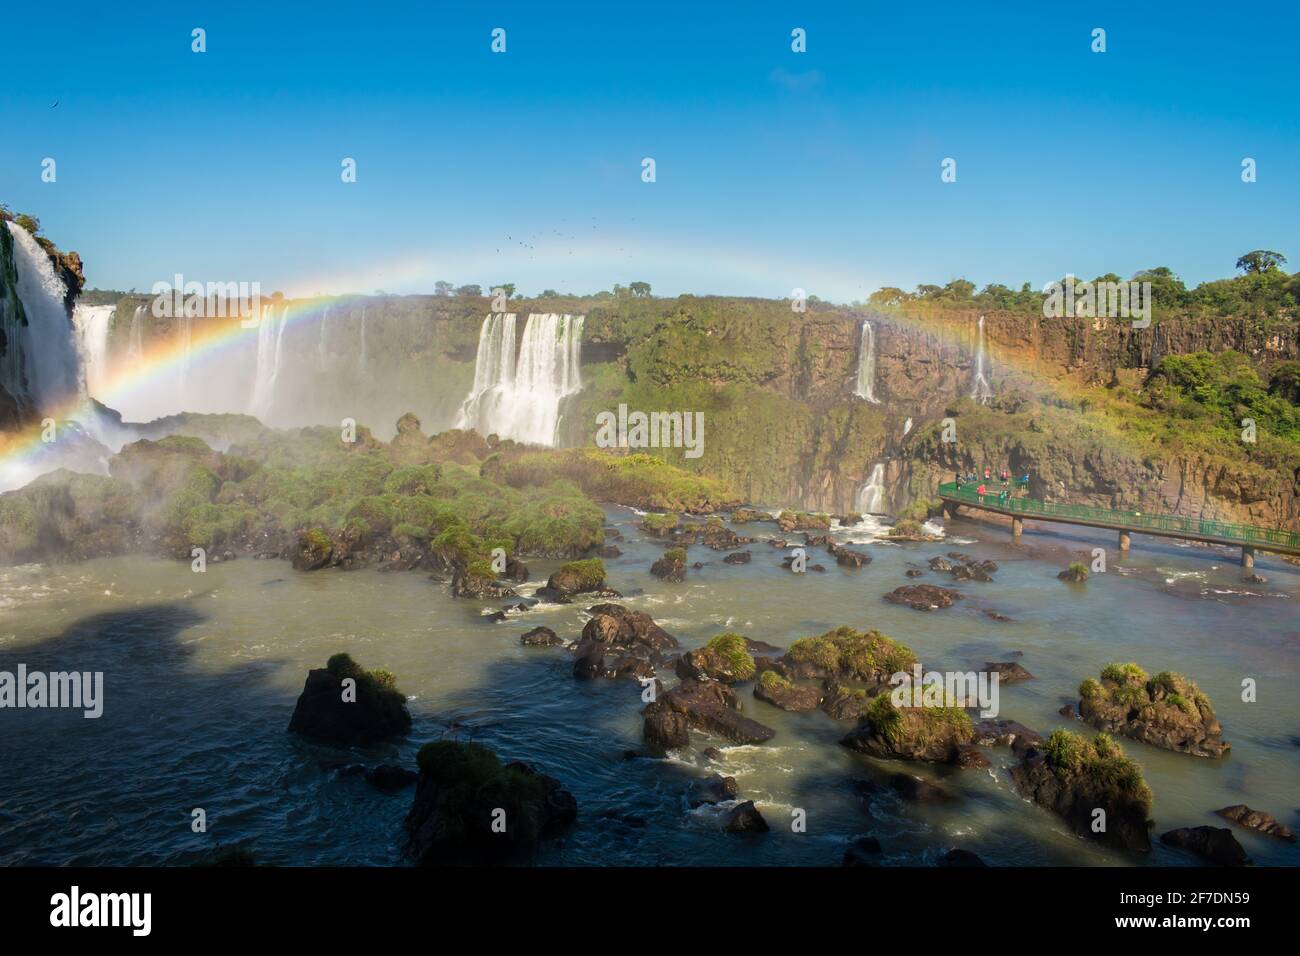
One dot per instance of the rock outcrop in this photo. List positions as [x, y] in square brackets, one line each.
[706, 706]
[469, 807]
[1166, 711]
[1074, 778]
[1216, 844]
[347, 706]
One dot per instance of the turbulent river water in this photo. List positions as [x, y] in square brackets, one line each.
[202, 672]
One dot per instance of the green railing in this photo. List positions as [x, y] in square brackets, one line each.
[1129, 520]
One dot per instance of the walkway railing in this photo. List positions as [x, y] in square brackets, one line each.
[1131, 520]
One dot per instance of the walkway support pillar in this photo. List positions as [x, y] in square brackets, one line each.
[1248, 557]
[1124, 540]
[1017, 526]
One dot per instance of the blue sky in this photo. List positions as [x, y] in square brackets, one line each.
[775, 170]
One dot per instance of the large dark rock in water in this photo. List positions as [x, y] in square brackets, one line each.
[708, 706]
[923, 597]
[738, 557]
[617, 642]
[1243, 815]
[540, 637]
[666, 730]
[744, 818]
[470, 807]
[1216, 844]
[1167, 711]
[1075, 777]
[369, 709]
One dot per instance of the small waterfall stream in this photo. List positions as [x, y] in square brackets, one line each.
[866, 387]
[871, 499]
[980, 389]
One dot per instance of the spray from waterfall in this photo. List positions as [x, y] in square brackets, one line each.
[520, 397]
[980, 389]
[866, 387]
[871, 498]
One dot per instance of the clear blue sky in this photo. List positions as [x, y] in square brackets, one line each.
[775, 169]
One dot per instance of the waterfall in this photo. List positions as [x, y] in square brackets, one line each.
[871, 499]
[135, 349]
[91, 323]
[270, 342]
[980, 389]
[520, 398]
[866, 387]
[46, 353]
[907, 427]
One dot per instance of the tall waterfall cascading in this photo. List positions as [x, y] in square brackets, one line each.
[135, 347]
[866, 387]
[47, 354]
[519, 397]
[980, 389]
[270, 350]
[871, 499]
[92, 323]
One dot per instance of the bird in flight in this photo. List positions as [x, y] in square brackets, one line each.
[54, 104]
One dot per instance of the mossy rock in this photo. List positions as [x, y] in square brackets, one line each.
[348, 706]
[579, 577]
[471, 807]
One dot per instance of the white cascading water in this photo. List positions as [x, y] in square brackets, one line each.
[980, 390]
[135, 348]
[871, 499]
[91, 323]
[520, 398]
[866, 387]
[48, 342]
[270, 341]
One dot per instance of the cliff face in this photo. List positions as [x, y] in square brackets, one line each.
[782, 422]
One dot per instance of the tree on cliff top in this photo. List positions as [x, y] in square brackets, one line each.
[1261, 260]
